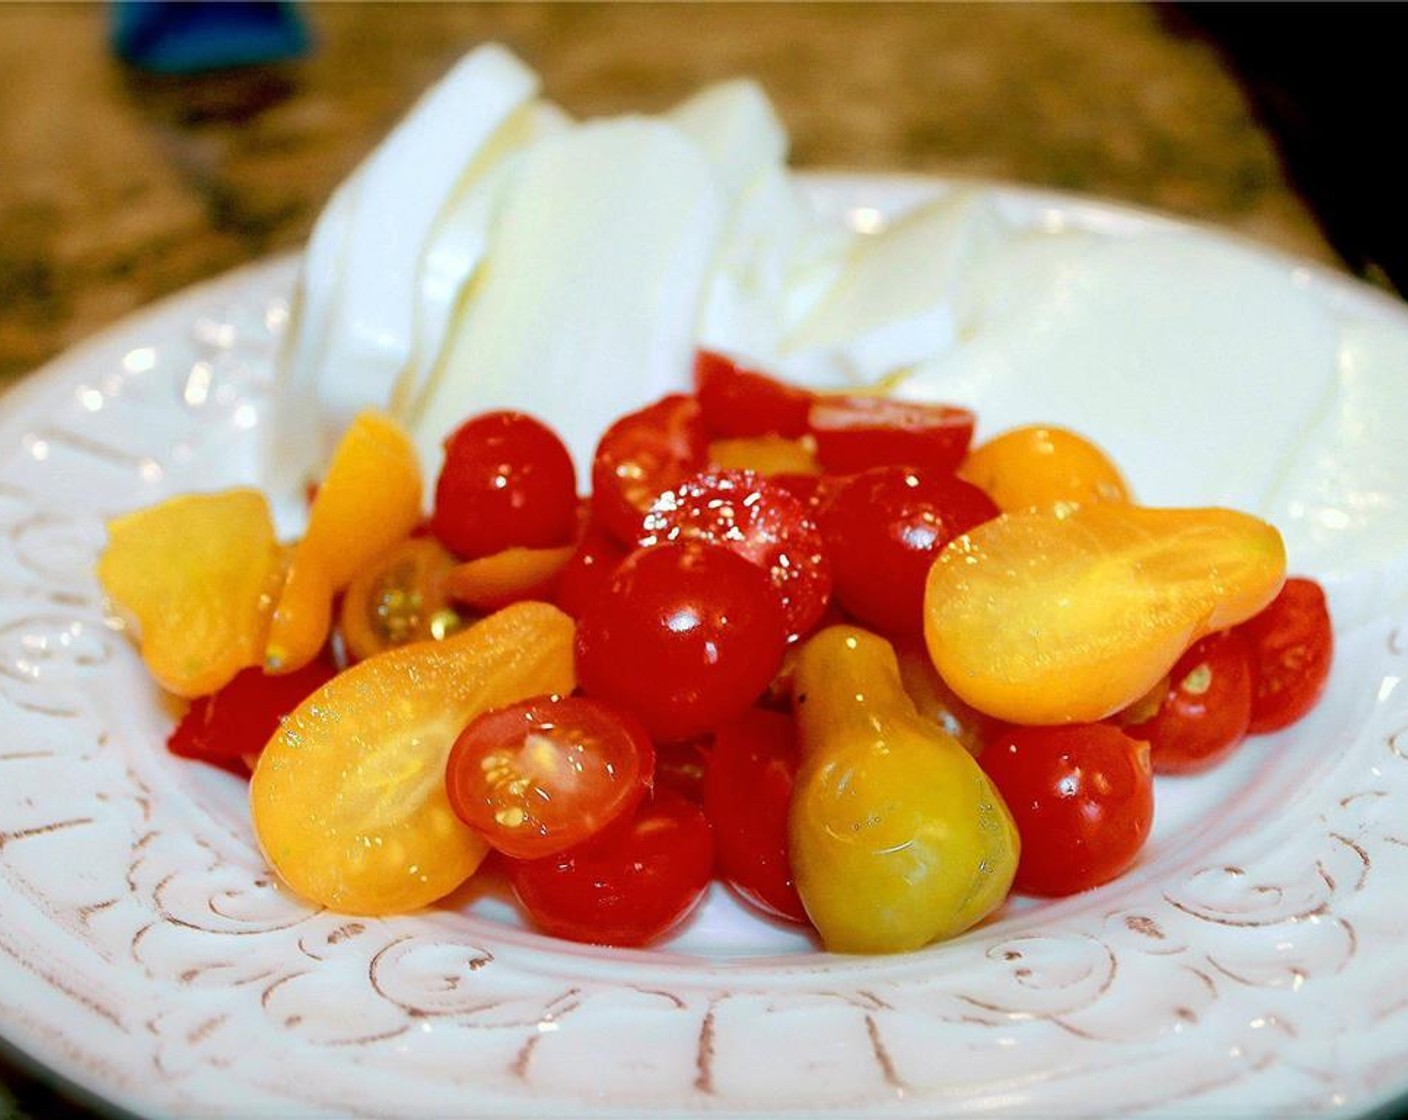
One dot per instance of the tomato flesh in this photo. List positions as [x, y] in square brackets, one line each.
[1082, 797]
[628, 886]
[544, 774]
[399, 598]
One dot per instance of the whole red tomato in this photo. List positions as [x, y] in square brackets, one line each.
[1082, 797]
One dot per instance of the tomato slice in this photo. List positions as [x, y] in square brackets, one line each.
[545, 774]
[1083, 800]
[495, 581]
[1206, 708]
[762, 522]
[229, 726]
[747, 791]
[738, 402]
[1292, 644]
[856, 433]
[641, 456]
[628, 886]
[399, 598]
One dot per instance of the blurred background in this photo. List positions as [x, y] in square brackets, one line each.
[120, 183]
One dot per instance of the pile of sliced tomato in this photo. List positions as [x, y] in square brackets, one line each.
[812, 644]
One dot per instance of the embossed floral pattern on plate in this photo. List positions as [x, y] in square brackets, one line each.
[1255, 962]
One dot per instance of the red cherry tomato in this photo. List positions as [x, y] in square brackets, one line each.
[507, 482]
[740, 403]
[233, 724]
[629, 885]
[759, 520]
[543, 775]
[882, 529]
[641, 456]
[856, 433]
[1082, 797]
[1206, 709]
[747, 790]
[687, 636]
[681, 766]
[1292, 646]
[588, 573]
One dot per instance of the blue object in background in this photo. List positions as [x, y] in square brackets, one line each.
[187, 36]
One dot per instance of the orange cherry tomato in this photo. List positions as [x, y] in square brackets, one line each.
[495, 581]
[1041, 467]
[400, 597]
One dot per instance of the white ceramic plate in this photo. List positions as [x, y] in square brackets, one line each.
[1254, 962]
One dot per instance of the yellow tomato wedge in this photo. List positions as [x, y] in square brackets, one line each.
[198, 574]
[1040, 618]
[349, 799]
[369, 499]
[494, 581]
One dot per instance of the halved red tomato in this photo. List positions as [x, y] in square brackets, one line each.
[548, 773]
[855, 433]
[740, 402]
[641, 456]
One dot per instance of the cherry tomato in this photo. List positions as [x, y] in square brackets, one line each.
[687, 636]
[738, 402]
[544, 774]
[681, 766]
[882, 529]
[1206, 707]
[747, 791]
[641, 456]
[757, 519]
[1292, 646]
[1041, 467]
[399, 598]
[856, 433]
[231, 725]
[1082, 796]
[507, 481]
[629, 885]
[588, 571]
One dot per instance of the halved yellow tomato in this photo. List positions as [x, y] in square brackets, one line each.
[1040, 618]
[349, 799]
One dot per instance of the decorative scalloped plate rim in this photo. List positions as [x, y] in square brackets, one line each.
[1254, 963]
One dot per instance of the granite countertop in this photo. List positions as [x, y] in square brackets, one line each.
[118, 187]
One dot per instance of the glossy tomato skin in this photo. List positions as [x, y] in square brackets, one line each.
[588, 573]
[548, 773]
[747, 792]
[642, 455]
[1082, 796]
[856, 433]
[1206, 708]
[1292, 643]
[507, 481]
[882, 529]
[762, 522]
[630, 885]
[687, 636]
[233, 724]
[739, 403]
